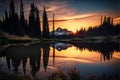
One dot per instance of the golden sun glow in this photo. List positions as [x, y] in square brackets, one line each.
[72, 53]
[73, 19]
[74, 25]
[84, 56]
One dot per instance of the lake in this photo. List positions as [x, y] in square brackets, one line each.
[41, 59]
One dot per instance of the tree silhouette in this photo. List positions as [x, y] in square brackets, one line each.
[11, 16]
[6, 15]
[34, 22]
[37, 24]
[106, 28]
[16, 27]
[22, 19]
[12, 8]
[45, 25]
[4, 24]
[12, 25]
[31, 21]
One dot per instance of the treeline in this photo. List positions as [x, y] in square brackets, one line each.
[106, 28]
[15, 24]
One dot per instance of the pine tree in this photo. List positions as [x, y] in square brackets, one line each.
[34, 22]
[26, 27]
[37, 22]
[45, 25]
[12, 8]
[6, 15]
[22, 19]
[31, 21]
[14, 23]
[11, 15]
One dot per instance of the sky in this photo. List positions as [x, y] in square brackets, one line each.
[70, 14]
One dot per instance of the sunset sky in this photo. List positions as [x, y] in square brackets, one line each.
[70, 14]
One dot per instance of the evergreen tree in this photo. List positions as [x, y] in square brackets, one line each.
[16, 24]
[22, 19]
[34, 22]
[31, 21]
[45, 25]
[26, 27]
[13, 25]
[11, 15]
[12, 8]
[37, 22]
[6, 15]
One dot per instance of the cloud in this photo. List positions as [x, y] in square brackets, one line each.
[117, 20]
[75, 17]
[57, 20]
[63, 11]
[80, 16]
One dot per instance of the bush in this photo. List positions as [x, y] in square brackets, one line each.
[73, 74]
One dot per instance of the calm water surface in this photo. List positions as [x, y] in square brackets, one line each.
[40, 60]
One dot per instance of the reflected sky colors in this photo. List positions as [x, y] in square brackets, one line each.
[84, 56]
[71, 14]
[41, 60]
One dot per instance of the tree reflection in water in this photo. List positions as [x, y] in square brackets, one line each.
[20, 54]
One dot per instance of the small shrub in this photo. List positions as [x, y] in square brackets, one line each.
[60, 75]
[74, 74]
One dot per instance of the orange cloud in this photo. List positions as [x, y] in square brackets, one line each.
[75, 22]
[117, 20]
[75, 17]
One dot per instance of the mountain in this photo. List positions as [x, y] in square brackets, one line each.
[61, 32]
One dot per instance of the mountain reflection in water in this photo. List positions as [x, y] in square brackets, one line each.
[43, 59]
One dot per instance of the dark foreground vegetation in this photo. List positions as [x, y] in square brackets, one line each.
[73, 74]
[5, 76]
